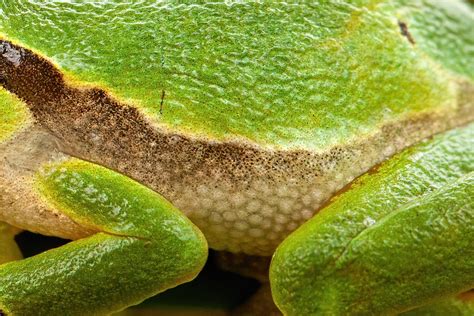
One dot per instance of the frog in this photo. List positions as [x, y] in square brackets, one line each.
[335, 137]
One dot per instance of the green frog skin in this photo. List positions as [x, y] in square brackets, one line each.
[334, 136]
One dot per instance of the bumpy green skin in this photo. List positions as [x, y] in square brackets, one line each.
[299, 74]
[8, 249]
[309, 75]
[144, 246]
[13, 115]
[396, 239]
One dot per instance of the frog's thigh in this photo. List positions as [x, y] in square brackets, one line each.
[143, 247]
[8, 248]
[397, 239]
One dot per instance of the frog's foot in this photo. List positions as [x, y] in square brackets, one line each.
[397, 238]
[143, 246]
[8, 248]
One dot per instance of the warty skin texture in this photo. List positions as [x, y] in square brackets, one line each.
[248, 136]
[355, 106]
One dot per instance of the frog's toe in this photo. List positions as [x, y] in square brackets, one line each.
[398, 238]
[143, 246]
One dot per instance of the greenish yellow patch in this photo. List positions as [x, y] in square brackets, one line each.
[291, 75]
[14, 115]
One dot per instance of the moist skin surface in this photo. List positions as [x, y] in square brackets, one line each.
[244, 188]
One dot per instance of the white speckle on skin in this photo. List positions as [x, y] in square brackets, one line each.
[369, 221]
[90, 189]
[116, 210]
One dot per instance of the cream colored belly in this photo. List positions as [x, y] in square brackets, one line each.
[251, 210]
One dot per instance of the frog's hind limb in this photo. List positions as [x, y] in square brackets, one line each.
[143, 246]
[397, 238]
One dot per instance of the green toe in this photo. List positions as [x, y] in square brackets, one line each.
[143, 246]
[398, 238]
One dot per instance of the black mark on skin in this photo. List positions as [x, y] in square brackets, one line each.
[162, 100]
[405, 32]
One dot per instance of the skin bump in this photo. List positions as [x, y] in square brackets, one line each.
[258, 196]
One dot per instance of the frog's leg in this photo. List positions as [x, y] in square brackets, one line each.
[397, 238]
[143, 246]
[9, 250]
